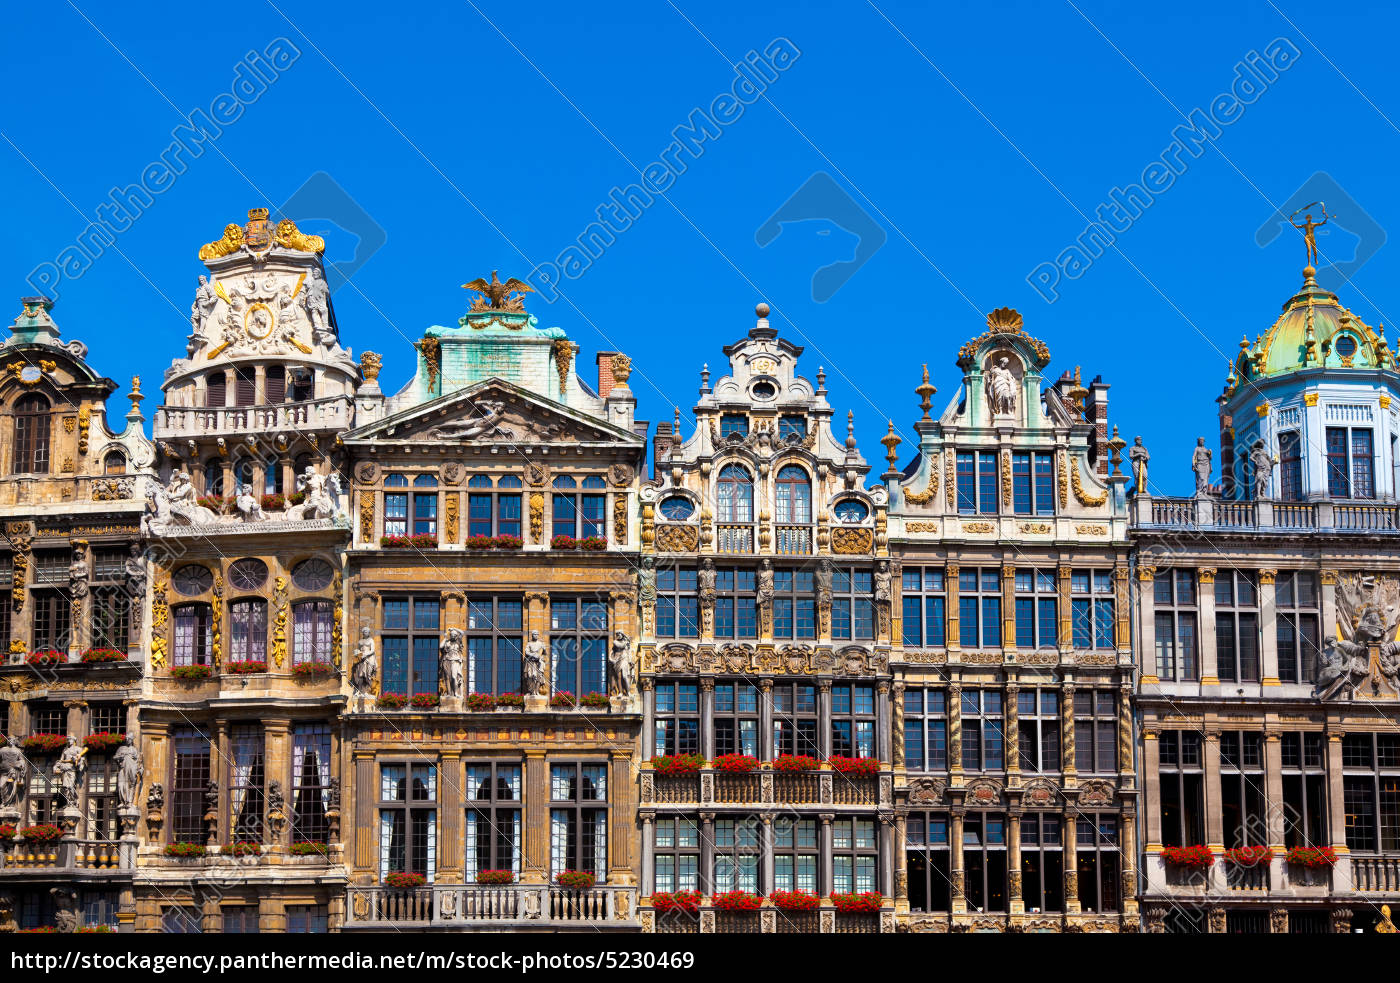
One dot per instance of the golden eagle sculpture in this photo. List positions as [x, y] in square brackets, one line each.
[498, 296]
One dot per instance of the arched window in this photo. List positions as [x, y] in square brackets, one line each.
[735, 494]
[193, 634]
[311, 632]
[248, 634]
[579, 516]
[31, 435]
[794, 496]
[214, 477]
[425, 502]
[395, 505]
[114, 463]
[272, 478]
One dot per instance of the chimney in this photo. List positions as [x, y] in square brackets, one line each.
[662, 443]
[1096, 412]
[605, 374]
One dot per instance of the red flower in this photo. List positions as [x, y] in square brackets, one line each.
[308, 848]
[594, 700]
[44, 743]
[480, 702]
[1188, 856]
[855, 766]
[192, 672]
[47, 657]
[1249, 856]
[93, 655]
[864, 903]
[563, 543]
[678, 764]
[506, 541]
[737, 901]
[495, 877]
[1312, 856]
[510, 700]
[563, 700]
[316, 669]
[424, 701]
[420, 540]
[400, 879]
[246, 667]
[244, 848]
[795, 900]
[687, 901]
[575, 880]
[795, 762]
[391, 701]
[739, 764]
[103, 742]
[41, 833]
[185, 850]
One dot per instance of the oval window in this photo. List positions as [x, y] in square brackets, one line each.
[247, 574]
[1346, 346]
[312, 575]
[192, 580]
[764, 390]
[851, 510]
[677, 508]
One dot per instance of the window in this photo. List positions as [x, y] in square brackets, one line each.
[495, 640]
[852, 604]
[192, 580]
[734, 491]
[736, 854]
[677, 508]
[114, 463]
[1290, 466]
[308, 919]
[1296, 618]
[793, 496]
[303, 385]
[1037, 608]
[851, 510]
[794, 604]
[982, 742]
[736, 718]
[1033, 483]
[1182, 792]
[190, 777]
[106, 718]
[977, 482]
[48, 718]
[410, 645]
[1096, 853]
[1095, 724]
[1042, 863]
[677, 718]
[311, 782]
[925, 729]
[795, 719]
[311, 631]
[111, 617]
[193, 635]
[184, 920]
[32, 431]
[1174, 597]
[677, 602]
[924, 606]
[1350, 463]
[853, 721]
[795, 853]
[1236, 627]
[1242, 789]
[493, 818]
[578, 642]
[248, 631]
[979, 608]
[1091, 603]
[677, 856]
[425, 505]
[408, 819]
[731, 424]
[579, 515]
[249, 574]
[246, 784]
[1304, 789]
[312, 575]
[1371, 791]
[216, 390]
[1038, 725]
[245, 387]
[984, 861]
[493, 512]
[791, 427]
[395, 505]
[51, 567]
[578, 819]
[101, 785]
[928, 860]
[275, 384]
[736, 603]
[853, 856]
[52, 624]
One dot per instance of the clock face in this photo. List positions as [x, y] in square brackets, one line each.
[30, 374]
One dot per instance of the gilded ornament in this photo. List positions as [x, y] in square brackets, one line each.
[337, 616]
[1085, 499]
[677, 539]
[851, 541]
[921, 526]
[429, 347]
[536, 516]
[620, 519]
[216, 623]
[497, 296]
[978, 527]
[948, 479]
[450, 507]
[1064, 482]
[290, 237]
[160, 620]
[279, 623]
[367, 515]
[563, 351]
[930, 490]
[84, 425]
[1088, 529]
[370, 365]
[231, 242]
[1006, 479]
[1036, 528]
[621, 370]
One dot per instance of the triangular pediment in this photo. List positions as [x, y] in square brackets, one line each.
[492, 412]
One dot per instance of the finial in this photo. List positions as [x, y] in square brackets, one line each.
[1309, 229]
[704, 378]
[821, 379]
[762, 309]
[851, 430]
[926, 391]
[891, 441]
[1116, 444]
[676, 428]
[1078, 393]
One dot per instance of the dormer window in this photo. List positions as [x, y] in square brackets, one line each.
[792, 427]
[1346, 347]
[731, 424]
[32, 429]
[1350, 462]
[793, 493]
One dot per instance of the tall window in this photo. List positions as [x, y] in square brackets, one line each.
[737, 845]
[1236, 627]
[111, 602]
[32, 431]
[795, 719]
[924, 606]
[1290, 466]
[1296, 614]
[1174, 598]
[579, 514]
[311, 631]
[51, 619]
[677, 602]
[794, 604]
[736, 718]
[734, 491]
[216, 390]
[793, 496]
[578, 641]
[246, 800]
[1038, 726]
[493, 513]
[495, 640]
[494, 835]
[408, 819]
[852, 605]
[425, 505]
[1037, 607]
[854, 858]
[189, 768]
[1371, 791]
[395, 505]
[982, 742]
[1304, 788]
[578, 819]
[410, 645]
[977, 482]
[677, 860]
[1042, 863]
[979, 608]
[1242, 789]
[245, 387]
[731, 424]
[101, 786]
[677, 718]
[1033, 483]
[1183, 800]
[248, 631]
[308, 919]
[795, 854]
[1091, 603]
[193, 635]
[853, 721]
[1095, 729]
[1096, 852]
[984, 861]
[736, 604]
[213, 477]
[925, 729]
[928, 859]
[311, 782]
[275, 383]
[1350, 463]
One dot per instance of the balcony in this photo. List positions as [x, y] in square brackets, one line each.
[1379, 874]
[1371, 518]
[733, 538]
[515, 907]
[792, 540]
[764, 787]
[65, 858]
[194, 422]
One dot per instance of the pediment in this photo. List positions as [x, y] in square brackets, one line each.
[493, 412]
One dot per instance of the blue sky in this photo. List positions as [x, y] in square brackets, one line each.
[977, 138]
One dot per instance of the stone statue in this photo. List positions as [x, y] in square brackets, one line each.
[135, 569]
[316, 296]
[366, 669]
[69, 769]
[203, 306]
[65, 910]
[1201, 465]
[78, 574]
[13, 774]
[249, 505]
[1368, 612]
[646, 581]
[706, 578]
[1263, 464]
[620, 665]
[824, 575]
[532, 666]
[211, 800]
[129, 771]
[489, 413]
[450, 663]
[177, 503]
[1001, 387]
[1139, 456]
[882, 582]
[155, 798]
[319, 502]
[765, 583]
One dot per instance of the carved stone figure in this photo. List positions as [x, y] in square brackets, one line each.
[249, 505]
[135, 569]
[765, 582]
[69, 769]
[706, 578]
[130, 769]
[177, 504]
[204, 300]
[1263, 464]
[450, 663]
[1001, 387]
[1201, 466]
[366, 669]
[486, 423]
[320, 502]
[620, 665]
[1139, 456]
[646, 581]
[824, 576]
[882, 582]
[1368, 611]
[532, 666]
[155, 798]
[65, 909]
[13, 774]
[211, 801]
[78, 574]
[316, 297]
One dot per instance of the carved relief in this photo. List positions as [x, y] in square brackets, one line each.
[851, 541]
[677, 539]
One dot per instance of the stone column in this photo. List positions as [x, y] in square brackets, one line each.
[883, 738]
[957, 890]
[897, 725]
[535, 861]
[221, 771]
[1011, 743]
[1067, 734]
[1147, 624]
[1205, 626]
[1016, 902]
[365, 790]
[647, 875]
[953, 641]
[955, 768]
[277, 758]
[1268, 629]
[707, 717]
[900, 859]
[1122, 621]
[1215, 823]
[1127, 767]
[825, 862]
[451, 818]
[1336, 809]
[765, 847]
[886, 845]
[707, 852]
[622, 817]
[1071, 861]
[1273, 806]
[1328, 613]
[824, 718]
[1128, 844]
[1008, 609]
[1152, 784]
[1065, 607]
[537, 619]
[648, 737]
[765, 719]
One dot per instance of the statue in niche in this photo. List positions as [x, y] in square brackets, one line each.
[450, 663]
[366, 668]
[1001, 387]
[532, 666]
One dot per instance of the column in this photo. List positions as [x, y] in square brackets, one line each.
[535, 861]
[648, 736]
[900, 860]
[1152, 782]
[1328, 579]
[1205, 625]
[883, 738]
[647, 876]
[886, 844]
[824, 718]
[623, 806]
[1065, 605]
[955, 861]
[1215, 825]
[707, 852]
[955, 768]
[1012, 733]
[1016, 902]
[1067, 733]
[1147, 624]
[220, 768]
[765, 719]
[707, 717]
[366, 792]
[1122, 620]
[825, 861]
[277, 758]
[1273, 793]
[1008, 608]
[1127, 767]
[451, 819]
[1070, 826]
[765, 866]
[953, 641]
[76, 724]
[897, 725]
[1336, 808]
[1128, 844]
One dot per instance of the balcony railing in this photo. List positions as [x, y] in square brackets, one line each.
[732, 538]
[1331, 515]
[764, 787]
[793, 540]
[457, 906]
[66, 855]
[1375, 874]
[1366, 517]
[329, 413]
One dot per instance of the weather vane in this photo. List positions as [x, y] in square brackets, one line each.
[1309, 226]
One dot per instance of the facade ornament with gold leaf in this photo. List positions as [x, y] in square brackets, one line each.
[1084, 497]
[563, 351]
[370, 364]
[621, 370]
[497, 296]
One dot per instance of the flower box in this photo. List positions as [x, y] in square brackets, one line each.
[479, 542]
[795, 900]
[273, 502]
[867, 902]
[686, 901]
[243, 848]
[420, 540]
[46, 657]
[855, 767]
[103, 743]
[191, 672]
[40, 833]
[44, 743]
[593, 543]
[1249, 856]
[595, 701]
[1311, 856]
[41, 930]
[185, 850]
[218, 504]
[738, 764]
[1188, 856]
[512, 700]
[480, 702]
[7, 831]
[400, 879]
[563, 543]
[678, 764]
[99, 655]
[424, 701]
[308, 848]
[245, 668]
[737, 901]
[95, 930]
[495, 877]
[391, 701]
[575, 880]
[507, 542]
[795, 762]
[563, 700]
[313, 670]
